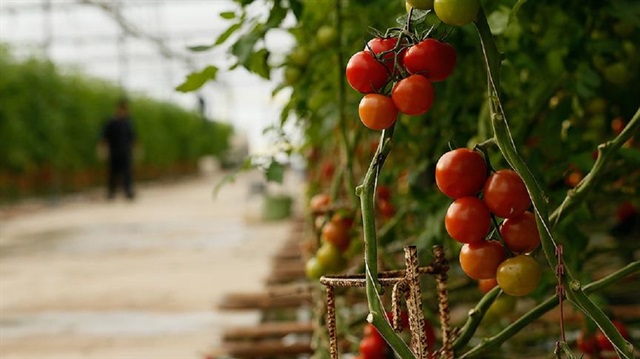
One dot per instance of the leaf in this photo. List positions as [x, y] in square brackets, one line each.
[275, 172]
[277, 14]
[225, 35]
[195, 80]
[258, 63]
[297, 8]
[228, 15]
[200, 48]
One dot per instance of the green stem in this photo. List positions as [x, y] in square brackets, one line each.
[507, 147]
[474, 319]
[605, 152]
[366, 192]
[544, 307]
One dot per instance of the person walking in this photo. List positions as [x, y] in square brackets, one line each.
[119, 137]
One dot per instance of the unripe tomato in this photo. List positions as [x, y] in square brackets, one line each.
[505, 194]
[520, 233]
[456, 12]
[326, 35]
[377, 112]
[519, 276]
[292, 75]
[300, 57]
[420, 4]
[330, 258]
[413, 95]
[314, 269]
[481, 260]
[432, 59]
[501, 307]
[365, 73]
[468, 220]
[461, 173]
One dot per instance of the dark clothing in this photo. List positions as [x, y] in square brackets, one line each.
[120, 137]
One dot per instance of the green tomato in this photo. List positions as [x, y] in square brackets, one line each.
[314, 269]
[292, 75]
[419, 4]
[300, 57]
[330, 257]
[616, 73]
[501, 307]
[327, 35]
[456, 12]
[519, 276]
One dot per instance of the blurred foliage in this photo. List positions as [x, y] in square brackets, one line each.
[569, 82]
[50, 124]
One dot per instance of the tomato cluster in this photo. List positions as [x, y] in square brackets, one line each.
[335, 235]
[396, 76]
[461, 174]
[597, 344]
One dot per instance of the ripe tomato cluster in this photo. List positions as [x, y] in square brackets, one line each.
[461, 174]
[597, 345]
[335, 235]
[408, 66]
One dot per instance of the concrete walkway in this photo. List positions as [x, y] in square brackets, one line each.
[124, 280]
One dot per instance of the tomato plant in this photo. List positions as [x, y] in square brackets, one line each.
[520, 233]
[519, 276]
[413, 95]
[505, 194]
[385, 49]
[365, 73]
[604, 343]
[480, 260]
[468, 220]
[377, 112]
[461, 173]
[432, 59]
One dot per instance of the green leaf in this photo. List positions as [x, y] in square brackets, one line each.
[275, 172]
[195, 80]
[200, 48]
[297, 8]
[228, 15]
[277, 14]
[225, 35]
[258, 63]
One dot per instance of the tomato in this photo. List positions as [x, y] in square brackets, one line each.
[314, 269]
[330, 258]
[373, 347]
[383, 192]
[432, 59]
[461, 173]
[467, 220]
[337, 234]
[300, 57]
[365, 73]
[485, 285]
[420, 4]
[319, 202]
[573, 178]
[327, 35]
[387, 210]
[505, 194]
[625, 211]
[520, 233]
[456, 12]
[413, 95]
[292, 75]
[617, 125]
[587, 343]
[481, 260]
[603, 341]
[519, 276]
[404, 318]
[378, 45]
[377, 112]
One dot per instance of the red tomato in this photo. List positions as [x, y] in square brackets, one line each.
[413, 95]
[387, 210]
[520, 233]
[383, 192]
[519, 276]
[603, 341]
[505, 194]
[431, 58]
[377, 112]
[379, 45]
[461, 173]
[485, 285]
[336, 234]
[373, 347]
[365, 73]
[319, 202]
[467, 220]
[481, 260]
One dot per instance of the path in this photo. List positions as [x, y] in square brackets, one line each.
[120, 280]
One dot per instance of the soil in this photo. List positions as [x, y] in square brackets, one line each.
[118, 279]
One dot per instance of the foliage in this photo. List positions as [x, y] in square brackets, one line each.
[50, 123]
[568, 82]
